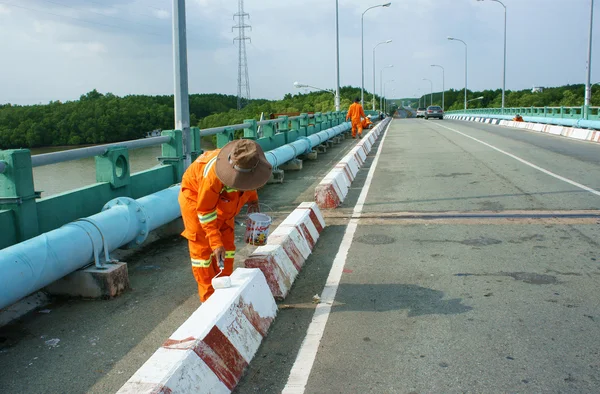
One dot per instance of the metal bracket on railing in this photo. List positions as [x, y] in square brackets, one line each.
[96, 248]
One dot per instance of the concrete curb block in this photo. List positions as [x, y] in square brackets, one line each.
[287, 248]
[210, 351]
[333, 189]
[564, 131]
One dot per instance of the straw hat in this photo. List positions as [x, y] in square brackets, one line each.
[242, 165]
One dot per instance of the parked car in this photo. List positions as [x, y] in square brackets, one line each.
[434, 111]
[421, 112]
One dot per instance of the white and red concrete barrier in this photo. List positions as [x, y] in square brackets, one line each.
[287, 248]
[210, 351]
[565, 131]
[334, 187]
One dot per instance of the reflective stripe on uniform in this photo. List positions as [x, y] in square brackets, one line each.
[201, 263]
[230, 254]
[228, 189]
[210, 163]
[209, 217]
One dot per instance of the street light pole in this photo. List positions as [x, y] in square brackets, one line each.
[431, 95]
[588, 86]
[181, 93]
[456, 39]
[478, 98]
[382, 42]
[362, 50]
[504, 70]
[443, 84]
[381, 85]
[337, 56]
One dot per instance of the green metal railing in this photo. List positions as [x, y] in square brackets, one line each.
[592, 113]
[25, 214]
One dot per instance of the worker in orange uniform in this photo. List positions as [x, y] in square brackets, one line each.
[355, 113]
[366, 123]
[214, 189]
[518, 118]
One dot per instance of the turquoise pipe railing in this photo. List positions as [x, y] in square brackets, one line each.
[593, 113]
[29, 266]
[25, 214]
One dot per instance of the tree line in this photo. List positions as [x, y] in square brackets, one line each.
[562, 96]
[98, 118]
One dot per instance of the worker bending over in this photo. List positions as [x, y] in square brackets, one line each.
[355, 113]
[213, 191]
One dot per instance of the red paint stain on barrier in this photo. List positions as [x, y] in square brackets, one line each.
[219, 354]
[261, 324]
[313, 217]
[162, 390]
[272, 272]
[326, 196]
[179, 344]
[293, 253]
[311, 242]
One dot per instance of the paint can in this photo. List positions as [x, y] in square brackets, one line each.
[257, 229]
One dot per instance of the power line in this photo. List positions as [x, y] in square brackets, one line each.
[77, 19]
[97, 13]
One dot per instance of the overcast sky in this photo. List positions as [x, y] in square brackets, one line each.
[59, 49]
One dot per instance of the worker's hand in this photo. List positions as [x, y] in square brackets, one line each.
[219, 254]
[253, 207]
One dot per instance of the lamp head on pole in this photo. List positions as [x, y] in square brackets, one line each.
[388, 41]
[450, 38]
[386, 4]
[299, 85]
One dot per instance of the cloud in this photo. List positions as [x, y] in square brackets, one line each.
[161, 14]
[4, 10]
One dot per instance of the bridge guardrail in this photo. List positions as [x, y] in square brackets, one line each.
[24, 214]
[592, 113]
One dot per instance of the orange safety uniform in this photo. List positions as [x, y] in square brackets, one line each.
[355, 112]
[208, 209]
[366, 123]
[518, 118]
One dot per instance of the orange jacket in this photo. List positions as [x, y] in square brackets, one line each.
[216, 204]
[355, 112]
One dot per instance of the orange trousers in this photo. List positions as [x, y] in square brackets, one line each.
[357, 124]
[204, 265]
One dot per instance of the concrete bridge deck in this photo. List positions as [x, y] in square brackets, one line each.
[468, 271]
[471, 265]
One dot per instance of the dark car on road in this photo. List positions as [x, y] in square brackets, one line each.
[434, 111]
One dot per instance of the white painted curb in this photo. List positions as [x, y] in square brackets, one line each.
[287, 248]
[210, 351]
[334, 187]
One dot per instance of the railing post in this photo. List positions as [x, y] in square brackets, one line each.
[318, 120]
[251, 132]
[196, 143]
[268, 130]
[172, 153]
[225, 137]
[283, 127]
[113, 167]
[303, 129]
[17, 192]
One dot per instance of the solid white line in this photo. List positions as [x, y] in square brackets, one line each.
[562, 178]
[310, 345]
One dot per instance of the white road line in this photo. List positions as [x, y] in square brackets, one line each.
[310, 345]
[562, 178]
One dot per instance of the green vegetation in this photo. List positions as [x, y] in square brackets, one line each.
[565, 96]
[98, 118]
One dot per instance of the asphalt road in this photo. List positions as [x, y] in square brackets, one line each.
[77, 346]
[474, 268]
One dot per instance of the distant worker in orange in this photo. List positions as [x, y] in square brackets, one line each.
[366, 123]
[518, 118]
[355, 113]
[214, 189]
